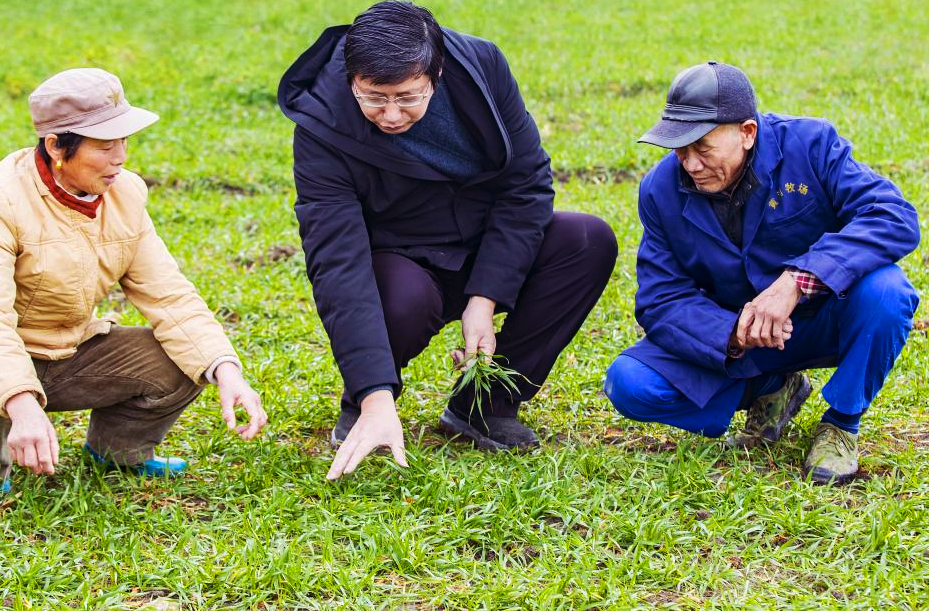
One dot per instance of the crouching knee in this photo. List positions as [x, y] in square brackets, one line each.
[640, 393]
[886, 295]
[600, 245]
[174, 389]
[632, 389]
[585, 240]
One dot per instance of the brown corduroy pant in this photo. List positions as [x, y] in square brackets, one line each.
[135, 392]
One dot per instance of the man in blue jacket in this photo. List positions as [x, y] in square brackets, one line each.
[424, 196]
[766, 250]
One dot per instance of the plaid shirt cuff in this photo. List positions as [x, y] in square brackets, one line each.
[808, 283]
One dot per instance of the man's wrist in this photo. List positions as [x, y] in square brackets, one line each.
[379, 399]
[733, 349]
[371, 389]
[482, 303]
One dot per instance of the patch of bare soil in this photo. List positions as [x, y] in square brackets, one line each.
[274, 254]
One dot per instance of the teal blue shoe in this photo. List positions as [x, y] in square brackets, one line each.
[157, 466]
[6, 486]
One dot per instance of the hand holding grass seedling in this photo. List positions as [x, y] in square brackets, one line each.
[477, 326]
[476, 361]
[480, 372]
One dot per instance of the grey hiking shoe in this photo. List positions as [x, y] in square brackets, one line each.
[490, 433]
[833, 456]
[769, 414]
[347, 419]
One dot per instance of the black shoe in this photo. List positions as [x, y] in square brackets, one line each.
[347, 419]
[491, 434]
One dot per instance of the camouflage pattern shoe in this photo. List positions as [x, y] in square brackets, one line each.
[769, 414]
[833, 456]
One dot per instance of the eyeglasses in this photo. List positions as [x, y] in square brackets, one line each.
[403, 101]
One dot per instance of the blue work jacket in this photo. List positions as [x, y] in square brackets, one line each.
[358, 193]
[816, 209]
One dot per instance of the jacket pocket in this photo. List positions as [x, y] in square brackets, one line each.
[813, 211]
[794, 234]
[48, 285]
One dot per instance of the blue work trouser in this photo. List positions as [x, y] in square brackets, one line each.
[862, 333]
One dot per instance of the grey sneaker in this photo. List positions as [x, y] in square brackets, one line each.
[491, 434]
[347, 419]
[769, 414]
[833, 456]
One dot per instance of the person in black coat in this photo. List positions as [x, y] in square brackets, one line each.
[424, 196]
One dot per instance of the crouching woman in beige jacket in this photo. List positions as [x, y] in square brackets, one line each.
[72, 224]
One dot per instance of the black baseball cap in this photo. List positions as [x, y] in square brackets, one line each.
[701, 98]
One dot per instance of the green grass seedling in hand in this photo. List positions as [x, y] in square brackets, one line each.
[480, 373]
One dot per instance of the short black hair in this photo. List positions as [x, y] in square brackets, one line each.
[67, 141]
[394, 41]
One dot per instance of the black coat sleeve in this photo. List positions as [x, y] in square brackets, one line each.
[338, 264]
[523, 200]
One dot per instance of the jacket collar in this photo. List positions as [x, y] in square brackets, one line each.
[697, 208]
[477, 101]
[48, 186]
[767, 158]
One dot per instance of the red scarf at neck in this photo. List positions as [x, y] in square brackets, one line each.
[88, 209]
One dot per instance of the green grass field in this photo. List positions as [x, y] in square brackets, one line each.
[609, 514]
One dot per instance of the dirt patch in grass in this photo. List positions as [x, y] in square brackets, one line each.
[663, 597]
[638, 442]
[273, 254]
[901, 434]
[432, 437]
[310, 440]
[862, 475]
[558, 523]
[160, 600]
[522, 553]
[193, 506]
[8, 500]
[228, 315]
[597, 175]
[211, 183]
[675, 600]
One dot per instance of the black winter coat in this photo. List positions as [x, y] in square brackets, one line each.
[359, 193]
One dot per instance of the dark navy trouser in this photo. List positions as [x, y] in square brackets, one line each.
[569, 273]
[861, 333]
